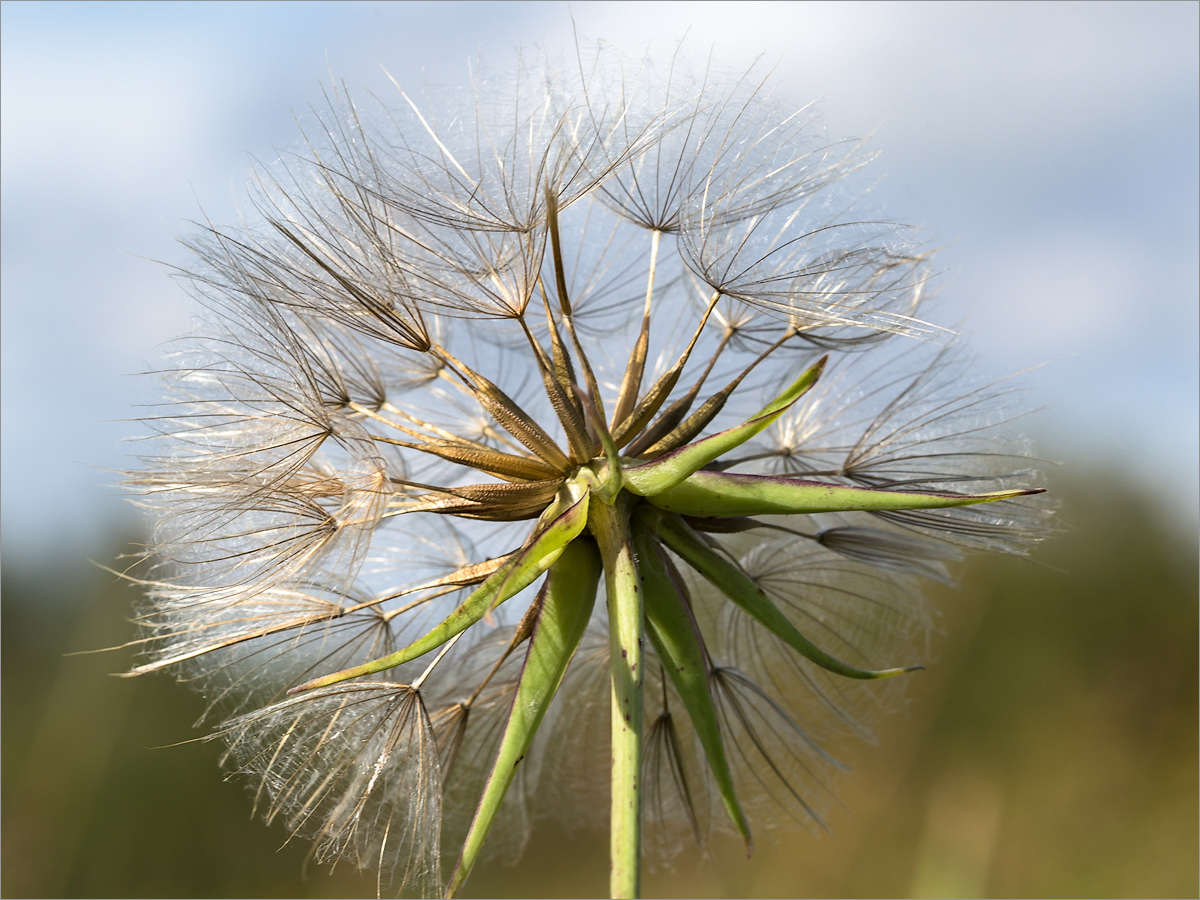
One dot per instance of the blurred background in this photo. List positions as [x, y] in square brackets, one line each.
[1051, 750]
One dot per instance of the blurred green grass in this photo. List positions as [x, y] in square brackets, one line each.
[1050, 750]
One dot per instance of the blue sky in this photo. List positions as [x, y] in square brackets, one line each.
[1051, 148]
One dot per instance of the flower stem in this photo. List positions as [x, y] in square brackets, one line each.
[610, 527]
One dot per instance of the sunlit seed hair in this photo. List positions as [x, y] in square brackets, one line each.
[436, 315]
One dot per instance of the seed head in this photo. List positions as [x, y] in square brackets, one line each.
[465, 357]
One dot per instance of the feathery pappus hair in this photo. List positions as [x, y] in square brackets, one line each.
[574, 442]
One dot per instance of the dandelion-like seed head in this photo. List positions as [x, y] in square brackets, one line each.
[603, 329]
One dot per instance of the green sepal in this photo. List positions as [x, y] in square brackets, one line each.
[735, 584]
[556, 529]
[671, 468]
[677, 640]
[566, 602]
[707, 494]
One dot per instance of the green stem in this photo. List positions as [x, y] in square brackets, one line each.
[610, 527]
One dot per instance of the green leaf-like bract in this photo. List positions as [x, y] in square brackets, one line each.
[679, 645]
[671, 468]
[735, 584]
[566, 602]
[707, 494]
[555, 532]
